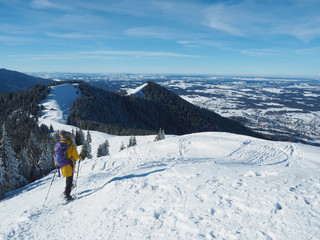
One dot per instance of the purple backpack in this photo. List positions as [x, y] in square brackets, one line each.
[60, 155]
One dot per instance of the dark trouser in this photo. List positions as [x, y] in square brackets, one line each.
[67, 191]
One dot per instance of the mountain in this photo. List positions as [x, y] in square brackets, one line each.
[210, 185]
[13, 81]
[156, 108]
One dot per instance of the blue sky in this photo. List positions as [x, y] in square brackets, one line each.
[241, 37]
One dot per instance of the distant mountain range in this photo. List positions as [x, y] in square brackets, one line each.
[13, 81]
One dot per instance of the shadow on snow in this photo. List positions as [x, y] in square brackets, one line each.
[130, 176]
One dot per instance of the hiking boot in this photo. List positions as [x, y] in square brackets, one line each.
[68, 198]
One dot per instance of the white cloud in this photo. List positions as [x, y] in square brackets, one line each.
[103, 54]
[71, 35]
[303, 28]
[280, 52]
[40, 4]
[141, 54]
[16, 40]
[200, 42]
[308, 51]
[265, 52]
[152, 31]
[227, 18]
[253, 18]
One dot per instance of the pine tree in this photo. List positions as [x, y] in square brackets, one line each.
[79, 138]
[56, 137]
[45, 162]
[86, 147]
[84, 150]
[160, 135]
[34, 154]
[89, 150]
[132, 141]
[24, 164]
[103, 149]
[122, 147]
[89, 139]
[2, 180]
[12, 176]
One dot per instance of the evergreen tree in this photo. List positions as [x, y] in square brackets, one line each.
[122, 147]
[160, 135]
[86, 147]
[89, 139]
[84, 150]
[132, 141]
[45, 162]
[103, 149]
[2, 181]
[24, 164]
[34, 152]
[79, 138]
[56, 137]
[12, 176]
[51, 128]
[34, 155]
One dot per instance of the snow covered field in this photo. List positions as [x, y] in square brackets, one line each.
[197, 186]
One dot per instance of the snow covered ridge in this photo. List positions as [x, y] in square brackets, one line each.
[57, 106]
[197, 186]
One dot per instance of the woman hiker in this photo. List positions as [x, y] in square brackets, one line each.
[72, 154]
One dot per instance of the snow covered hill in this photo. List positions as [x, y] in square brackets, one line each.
[197, 186]
[57, 106]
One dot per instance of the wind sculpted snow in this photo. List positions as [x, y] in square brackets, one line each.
[198, 186]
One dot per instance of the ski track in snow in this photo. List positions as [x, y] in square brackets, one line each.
[197, 186]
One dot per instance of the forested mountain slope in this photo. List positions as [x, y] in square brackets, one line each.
[13, 81]
[25, 147]
[159, 108]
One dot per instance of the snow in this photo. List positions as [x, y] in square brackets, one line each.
[58, 105]
[272, 90]
[209, 185]
[137, 91]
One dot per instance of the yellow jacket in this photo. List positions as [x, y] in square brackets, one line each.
[72, 154]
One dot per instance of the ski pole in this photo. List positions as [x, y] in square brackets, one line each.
[75, 191]
[49, 188]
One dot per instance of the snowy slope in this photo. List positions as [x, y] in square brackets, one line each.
[197, 186]
[137, 91]
[57, 106]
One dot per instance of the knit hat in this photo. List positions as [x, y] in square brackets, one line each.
[65, 136]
